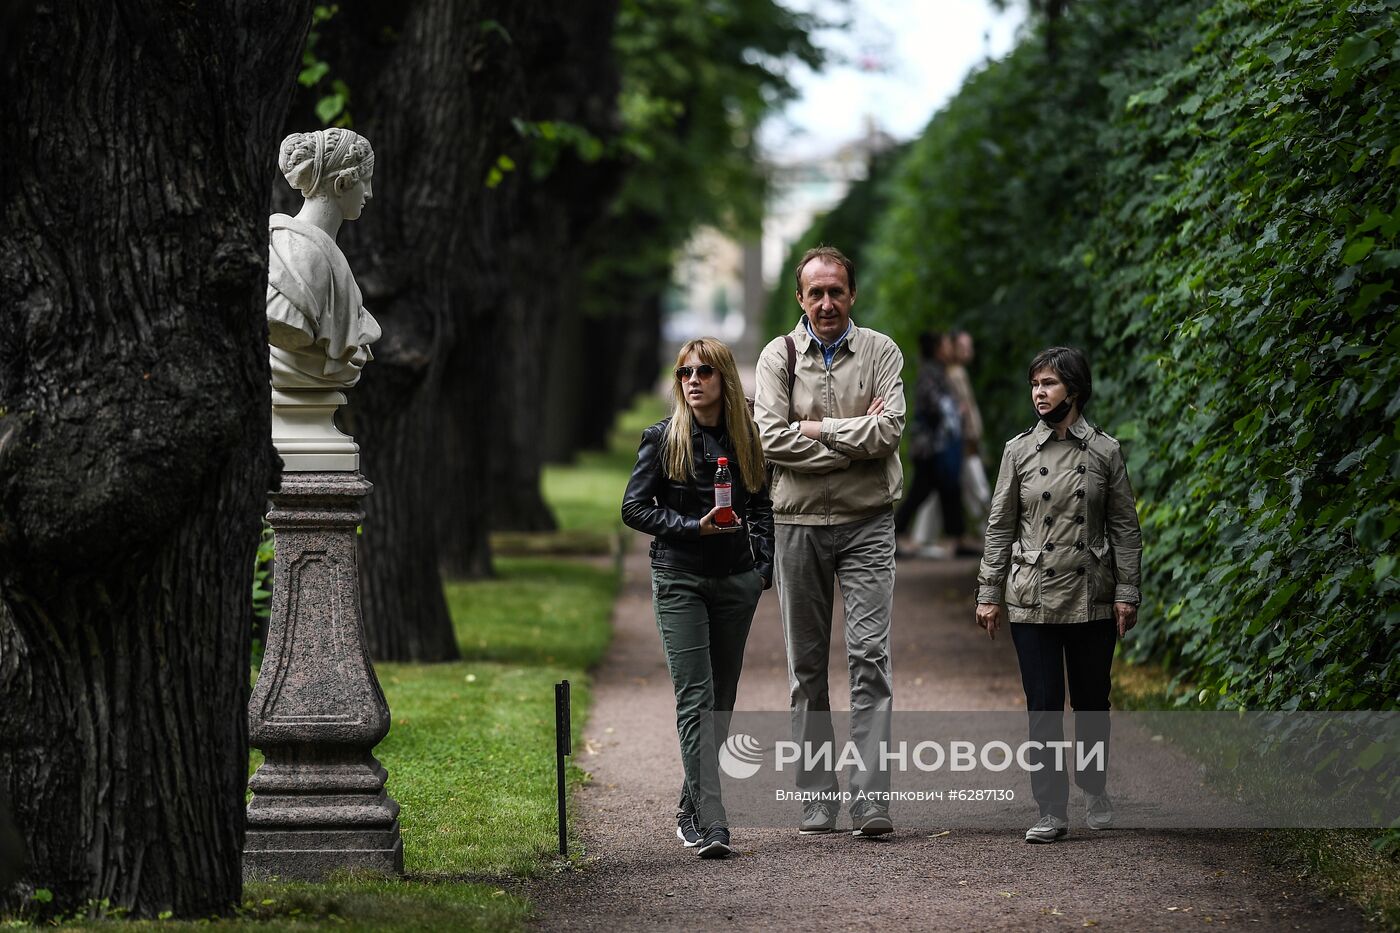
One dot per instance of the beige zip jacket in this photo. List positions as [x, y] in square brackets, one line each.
[1063, 542]
[853, 472]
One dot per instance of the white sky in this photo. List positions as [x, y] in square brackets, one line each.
[898, 61]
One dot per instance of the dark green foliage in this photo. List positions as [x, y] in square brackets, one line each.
[847, 227]
[1244, 260]
[262, 592]
[697, 80]
[1204, 196]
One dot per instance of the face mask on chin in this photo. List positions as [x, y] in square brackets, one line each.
[1057, 414]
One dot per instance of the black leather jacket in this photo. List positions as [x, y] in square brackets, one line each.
[670, 511]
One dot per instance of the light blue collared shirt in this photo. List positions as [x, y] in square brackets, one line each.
[828, 349]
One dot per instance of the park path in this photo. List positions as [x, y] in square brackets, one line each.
[634, 875]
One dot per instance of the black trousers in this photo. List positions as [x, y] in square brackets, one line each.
[1047, 652]
[943, 474]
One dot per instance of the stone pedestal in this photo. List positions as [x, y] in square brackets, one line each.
[304, 431]
[317, 711]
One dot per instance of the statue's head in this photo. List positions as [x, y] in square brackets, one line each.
[335, 164]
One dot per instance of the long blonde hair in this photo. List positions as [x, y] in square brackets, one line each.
[743, 433]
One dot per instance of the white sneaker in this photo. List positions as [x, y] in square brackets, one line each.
[1098, 811]
[1047, 829]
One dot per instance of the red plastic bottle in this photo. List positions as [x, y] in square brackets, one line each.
[724, 495]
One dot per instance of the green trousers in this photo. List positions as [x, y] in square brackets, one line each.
[704, 624]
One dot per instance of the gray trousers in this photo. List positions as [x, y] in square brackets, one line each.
[859, 556]
[704, 624]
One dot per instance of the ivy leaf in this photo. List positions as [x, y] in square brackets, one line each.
[1150, 97]
[489, 26]
[1383, 567]
[1355, 52]
[1358, 250]
[330, 107]
[309, 76]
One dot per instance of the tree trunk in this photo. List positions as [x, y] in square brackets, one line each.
[415, 98]
[517, 452]
[434, 93]
[464, 518]
[572, 77]
[135, 448]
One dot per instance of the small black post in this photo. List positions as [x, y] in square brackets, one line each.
[563, 745]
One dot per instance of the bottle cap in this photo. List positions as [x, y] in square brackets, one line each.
[724, 461]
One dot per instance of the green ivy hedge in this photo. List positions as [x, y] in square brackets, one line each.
[1202, 195]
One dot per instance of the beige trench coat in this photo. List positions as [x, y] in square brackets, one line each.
[1063, 542]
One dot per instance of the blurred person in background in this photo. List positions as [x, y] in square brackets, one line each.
[935, 448]
[976, 494]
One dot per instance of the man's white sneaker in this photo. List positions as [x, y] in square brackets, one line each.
[1098, 811]
[1047, 829]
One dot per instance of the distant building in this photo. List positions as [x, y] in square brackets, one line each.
[720, 286]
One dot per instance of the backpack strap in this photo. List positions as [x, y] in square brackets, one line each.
[791, 368]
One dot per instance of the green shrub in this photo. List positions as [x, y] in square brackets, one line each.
[1242, 266]
[1203, 195]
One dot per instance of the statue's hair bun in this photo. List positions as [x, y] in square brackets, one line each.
[297, 160]
[311, 161]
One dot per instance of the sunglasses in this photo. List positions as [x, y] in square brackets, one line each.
[704, 371]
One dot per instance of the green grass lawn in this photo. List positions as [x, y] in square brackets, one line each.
[587, 495]
[471, 752]
[470, 758]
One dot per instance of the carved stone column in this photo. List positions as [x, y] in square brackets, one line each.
[317, 711]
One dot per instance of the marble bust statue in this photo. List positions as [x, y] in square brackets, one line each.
[318, 327]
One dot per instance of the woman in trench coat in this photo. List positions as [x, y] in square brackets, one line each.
[1063, 552]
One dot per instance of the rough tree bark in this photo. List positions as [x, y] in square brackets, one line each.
[464, 514]
[138, 143]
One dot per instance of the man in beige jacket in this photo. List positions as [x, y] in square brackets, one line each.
[832, 433]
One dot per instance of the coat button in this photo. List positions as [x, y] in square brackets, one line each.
[1079, 519]
[1044, 471]
[1079, 469]
[1083, 446]
[1079, 493]
[1049, 519]
[1049, 571]
[1045, 495]
[1079, 545]
[1049, 545]
[1080, 571]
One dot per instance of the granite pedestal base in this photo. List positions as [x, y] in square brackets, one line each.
[317, 711]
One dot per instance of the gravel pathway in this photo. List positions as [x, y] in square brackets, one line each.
[634, 875]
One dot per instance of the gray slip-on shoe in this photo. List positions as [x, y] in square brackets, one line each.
[1047, 829]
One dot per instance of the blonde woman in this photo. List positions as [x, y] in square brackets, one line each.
[706, 578]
